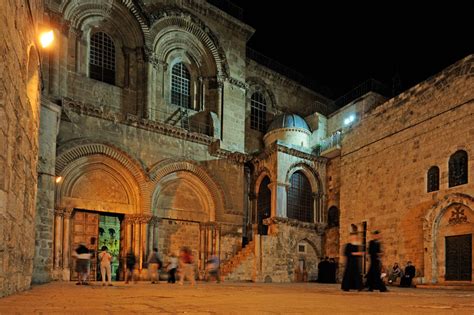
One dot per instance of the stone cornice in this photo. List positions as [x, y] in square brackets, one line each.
[277, 147]
[235, 157]
[222, 17]
[141, 218]
[132, 120]
[238, 83]
[318, 227]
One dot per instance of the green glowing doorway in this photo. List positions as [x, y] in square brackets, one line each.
[109, 235]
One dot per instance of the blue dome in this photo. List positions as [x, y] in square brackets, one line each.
[288, 121]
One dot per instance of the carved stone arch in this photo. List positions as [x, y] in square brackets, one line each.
[131, 25]
[309, 172]
[258, 178]
[313, 245]
[431, 222]
[185, 21]
[258, 85]
[76, 150]
[98, 183]
[166, 167]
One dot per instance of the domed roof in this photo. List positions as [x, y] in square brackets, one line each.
[288, 121]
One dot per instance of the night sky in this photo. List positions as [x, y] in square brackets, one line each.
[340, 44]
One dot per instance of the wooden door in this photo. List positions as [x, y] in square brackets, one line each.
[86, 230]
[459, 257]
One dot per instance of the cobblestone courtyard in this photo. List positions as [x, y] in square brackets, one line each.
[235, 298]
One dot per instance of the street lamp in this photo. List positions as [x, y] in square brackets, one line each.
[46, 38]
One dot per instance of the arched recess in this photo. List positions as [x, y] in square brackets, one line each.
[179, 37]
[452, 216]
[258, 85]
[171, 173]
[117, 21]
[316, 187]
[100, 177]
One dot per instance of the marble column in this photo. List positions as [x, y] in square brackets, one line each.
[58, 230]
[66, 244]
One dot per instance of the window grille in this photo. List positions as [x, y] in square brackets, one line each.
[458, 168]
[263, 205]
[102, 58]
[300, 198]
[258, 112]
[180, 86]
[433, 179]
[333, 217]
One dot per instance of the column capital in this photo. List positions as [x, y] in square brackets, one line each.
[59, 212]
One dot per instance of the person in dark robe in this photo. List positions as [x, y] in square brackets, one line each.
[374, 280]
[352, 275]
[323, 270]
[408, 276]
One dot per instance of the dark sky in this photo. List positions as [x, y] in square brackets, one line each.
[340, 44]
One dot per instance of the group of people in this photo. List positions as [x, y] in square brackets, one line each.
[182, 265]
[353, 280]
[406, 276]
[327, 270]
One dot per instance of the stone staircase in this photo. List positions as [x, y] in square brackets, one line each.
[240, 267]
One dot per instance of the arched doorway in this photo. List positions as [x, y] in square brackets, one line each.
[95, 202]
[448, 233]
[263, 205]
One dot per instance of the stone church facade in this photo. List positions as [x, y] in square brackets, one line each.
[151, 124]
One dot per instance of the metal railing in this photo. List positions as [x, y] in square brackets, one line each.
[331, 142]
[365, 87]
[182, 118]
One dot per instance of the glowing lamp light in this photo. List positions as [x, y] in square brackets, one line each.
[349, 120]
[58, 179]
[46, 38]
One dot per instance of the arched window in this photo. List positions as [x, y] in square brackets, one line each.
[258, 112]
[263, 205]
[102, 58]
[458, 168]
[300, 198]
[333, 216]
[180, 86]
[433, 179]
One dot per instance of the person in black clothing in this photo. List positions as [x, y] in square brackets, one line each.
[374, 281]
[410, 272]
[352, 276]
[323, 270]
[130, 261]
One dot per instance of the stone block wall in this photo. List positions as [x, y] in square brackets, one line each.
[385, 160]
[279, 252]
[19, 123]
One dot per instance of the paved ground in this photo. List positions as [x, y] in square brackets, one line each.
[234, 298]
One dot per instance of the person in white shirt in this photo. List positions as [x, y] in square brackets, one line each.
[105, 260]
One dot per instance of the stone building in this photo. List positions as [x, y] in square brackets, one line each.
[160, 128]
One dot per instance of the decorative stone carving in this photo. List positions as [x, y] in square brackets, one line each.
[457, 215]
[131, 120]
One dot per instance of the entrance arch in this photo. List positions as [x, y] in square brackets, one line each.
[449, 219]
[101, 187]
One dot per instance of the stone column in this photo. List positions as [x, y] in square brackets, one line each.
[44, 217]
[66, 244]
[58, 230]
[279, 194]
[136, 242]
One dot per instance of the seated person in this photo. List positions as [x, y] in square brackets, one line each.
[394, 273]
[410, 272]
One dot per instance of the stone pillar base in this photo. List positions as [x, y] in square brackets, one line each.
[66, 274]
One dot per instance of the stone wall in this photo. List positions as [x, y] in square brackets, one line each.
[19, 123]
[280, 254]
[385, 159]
